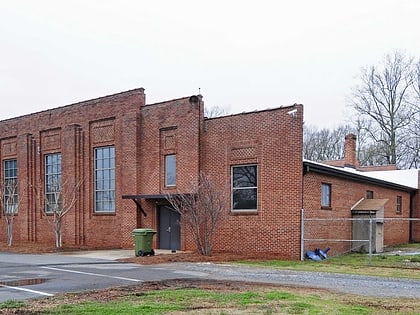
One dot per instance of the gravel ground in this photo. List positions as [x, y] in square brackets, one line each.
[354, 284]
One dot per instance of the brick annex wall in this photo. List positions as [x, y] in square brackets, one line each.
[74, 131]
[272, 140]
[344, 195]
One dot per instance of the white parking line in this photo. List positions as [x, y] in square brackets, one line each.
[26, 290]
[92, 274]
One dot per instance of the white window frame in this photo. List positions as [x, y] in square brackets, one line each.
[10, 193]
[53, 181]
[104, 179]
[234, 189]
[326, 191]
[170, 170]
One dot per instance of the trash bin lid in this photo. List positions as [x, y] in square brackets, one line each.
[143, 231]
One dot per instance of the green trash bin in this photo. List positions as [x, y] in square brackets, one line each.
[143, 239]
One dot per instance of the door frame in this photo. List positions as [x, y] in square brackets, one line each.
[174, 218]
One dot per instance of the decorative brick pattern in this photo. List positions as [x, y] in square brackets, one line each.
[50, 140]
[103, 131]
[8, 147]
[243, 153]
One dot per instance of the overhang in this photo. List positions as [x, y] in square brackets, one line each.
[370, 205]
[310, 166]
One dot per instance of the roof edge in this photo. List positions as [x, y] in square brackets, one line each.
[309, 166]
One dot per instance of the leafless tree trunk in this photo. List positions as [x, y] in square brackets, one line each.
[383, 98]
[58, 203]
[202, 210]
[10, 200]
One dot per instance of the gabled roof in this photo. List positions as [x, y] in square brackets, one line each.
[406, 180]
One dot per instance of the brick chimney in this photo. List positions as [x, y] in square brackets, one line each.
[350, 159]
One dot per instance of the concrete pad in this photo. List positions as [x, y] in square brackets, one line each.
[110, 254]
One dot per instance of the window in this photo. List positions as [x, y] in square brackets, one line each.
[105, 179]
[53, 184]
[369, 194]
[399, 204]
[326, 195]
[244, 187]
[10, 184]
[170, 170]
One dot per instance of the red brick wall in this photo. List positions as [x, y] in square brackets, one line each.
[345, 194]
[142, 136]
[74, 131]
[271, 139]
[171, 127]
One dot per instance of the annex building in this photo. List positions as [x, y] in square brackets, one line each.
[117, 149]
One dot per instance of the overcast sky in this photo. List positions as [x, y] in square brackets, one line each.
[241, 55]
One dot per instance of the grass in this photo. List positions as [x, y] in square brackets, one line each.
[256, 300]
[200, 301]
[386, 265]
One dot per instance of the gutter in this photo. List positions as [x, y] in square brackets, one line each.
[327, 170]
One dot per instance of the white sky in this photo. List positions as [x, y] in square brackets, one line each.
[243, 55]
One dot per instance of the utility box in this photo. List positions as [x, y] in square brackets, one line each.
[143, 239]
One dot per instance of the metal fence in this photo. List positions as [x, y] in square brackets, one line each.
[345, 235]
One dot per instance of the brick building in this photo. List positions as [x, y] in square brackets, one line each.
[120, 150]
[340, 195]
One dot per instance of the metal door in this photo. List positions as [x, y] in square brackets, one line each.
[169, 228]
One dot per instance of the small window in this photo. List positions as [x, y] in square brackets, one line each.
[10, 182]
[53, 184]
[105, 179]
[326, 195]
[244, 187]
[399, 205]
[170, 170]
[369, 194]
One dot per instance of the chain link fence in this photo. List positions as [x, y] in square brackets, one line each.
[366, 234]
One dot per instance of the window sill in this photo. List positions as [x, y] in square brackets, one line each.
[326, 208]
[104, 213]
[243, 212]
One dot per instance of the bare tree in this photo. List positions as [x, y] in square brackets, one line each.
[324, 144]
[10, 200]
[383, 98]
[214, 111]
[60, 198]
[202, 210]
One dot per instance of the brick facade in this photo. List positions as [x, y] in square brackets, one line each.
[142, 136]
[346, 193]
[74, 131]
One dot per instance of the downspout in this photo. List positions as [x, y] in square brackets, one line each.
[410, 230]
[305, 170]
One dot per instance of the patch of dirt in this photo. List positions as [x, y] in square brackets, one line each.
[191, 257]
[33, 248]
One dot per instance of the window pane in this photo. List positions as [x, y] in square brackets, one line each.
[105, 179]
[245, 176]
[245, 199]
[244, 187]
[326, 195]
[10, 186]
[53, 182]
[170, 170]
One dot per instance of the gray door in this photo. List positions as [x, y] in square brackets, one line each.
[169, 228]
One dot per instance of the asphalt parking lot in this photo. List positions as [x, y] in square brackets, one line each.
[25, 276]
